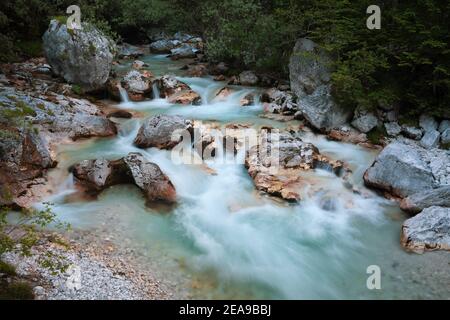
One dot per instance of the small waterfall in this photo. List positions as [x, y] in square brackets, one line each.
[123, 94]
[155, 91]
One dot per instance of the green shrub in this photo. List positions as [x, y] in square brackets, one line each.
[376, 135]
[19, 290]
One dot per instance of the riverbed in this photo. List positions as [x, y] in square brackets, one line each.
[225, 240]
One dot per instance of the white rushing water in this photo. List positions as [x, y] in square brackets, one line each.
[123, 94]
[233, 241]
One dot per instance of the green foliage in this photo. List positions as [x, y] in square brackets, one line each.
[16, 116]
[19, 290]
[22, 234]
[77, 89]
[376, 135]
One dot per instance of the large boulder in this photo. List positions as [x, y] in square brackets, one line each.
[83, 57]
[404, 168]
[427, 231]
[160, 131]
[99, 174]
[150, 179]
[310, 81]
[177, 91]
[428, 198]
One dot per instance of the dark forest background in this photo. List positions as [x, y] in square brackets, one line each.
[406, 63]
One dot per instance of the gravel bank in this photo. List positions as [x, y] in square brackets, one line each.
[96, 272]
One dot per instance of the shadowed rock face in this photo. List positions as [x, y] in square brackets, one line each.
[26, 154]
[415, 203]
[83, 57]
[290, 157]
[404, 168]
[157, 131]
[427, 231]
[99, 174]
[310, 82]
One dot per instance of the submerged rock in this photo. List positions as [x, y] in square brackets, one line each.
[83, 57]
[404, 168]
[428, 198]
[160, 131]
[310, 82]
[427, 231]
[99, 174]
[223, 94]
[120, 114]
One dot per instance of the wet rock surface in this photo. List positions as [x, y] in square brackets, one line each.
[276, 166]
[99, 174]
[416, 202]
[427, 231]
[177, 91]
[158, 131]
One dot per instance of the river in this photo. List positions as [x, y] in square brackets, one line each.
[226, 240]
